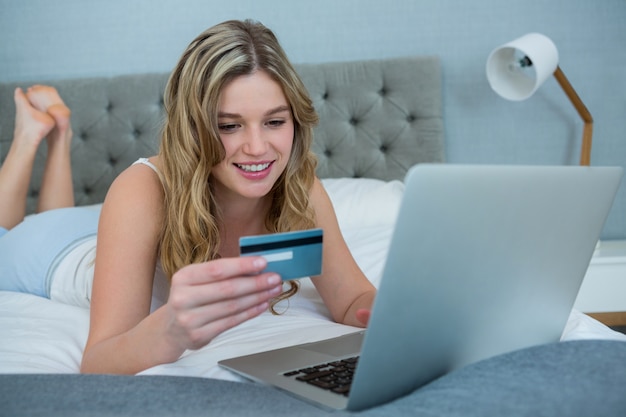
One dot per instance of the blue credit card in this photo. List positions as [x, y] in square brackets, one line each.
[291, 254]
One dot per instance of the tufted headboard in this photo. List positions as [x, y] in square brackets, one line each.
[377, 119]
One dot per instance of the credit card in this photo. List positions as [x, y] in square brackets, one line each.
[292, 255]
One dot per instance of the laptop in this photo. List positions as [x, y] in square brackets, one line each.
[483, 260]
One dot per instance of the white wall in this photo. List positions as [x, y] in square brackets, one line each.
[42, 40]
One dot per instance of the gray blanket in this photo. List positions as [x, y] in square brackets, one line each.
[581, 378]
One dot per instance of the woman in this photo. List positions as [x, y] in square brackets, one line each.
[234, 160]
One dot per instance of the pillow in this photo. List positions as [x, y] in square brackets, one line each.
[364, 202]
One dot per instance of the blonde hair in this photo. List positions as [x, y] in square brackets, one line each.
[191, 146]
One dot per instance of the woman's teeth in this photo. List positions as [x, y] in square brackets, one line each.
[253, 167]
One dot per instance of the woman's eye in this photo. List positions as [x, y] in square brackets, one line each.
[276, 123]
[227, 127]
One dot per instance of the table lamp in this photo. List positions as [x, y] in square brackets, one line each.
[517, 69]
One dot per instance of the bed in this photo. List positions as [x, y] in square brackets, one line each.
[378, 118]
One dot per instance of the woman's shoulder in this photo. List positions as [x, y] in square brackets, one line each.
[317, 190]
[139, 184]
[316, 186]
[319, 198]
[143, 170]
[152, 163]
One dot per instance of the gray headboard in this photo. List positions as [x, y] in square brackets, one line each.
[377, 119]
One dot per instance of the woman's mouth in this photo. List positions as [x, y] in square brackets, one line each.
[253, 167]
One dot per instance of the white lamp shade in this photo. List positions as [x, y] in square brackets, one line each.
[515, 82]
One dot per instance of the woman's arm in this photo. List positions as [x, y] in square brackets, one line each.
[205, 299]
[346, 291]
[126, 255]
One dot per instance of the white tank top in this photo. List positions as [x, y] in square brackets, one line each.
[73, 277]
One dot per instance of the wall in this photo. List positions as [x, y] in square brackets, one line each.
[42, 40]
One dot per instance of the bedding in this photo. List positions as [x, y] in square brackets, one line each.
[38, 335]
[573, 379]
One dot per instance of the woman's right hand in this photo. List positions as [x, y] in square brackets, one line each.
[209, 298]
[205, 298]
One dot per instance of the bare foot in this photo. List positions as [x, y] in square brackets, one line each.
[46, 99]
[31, 124]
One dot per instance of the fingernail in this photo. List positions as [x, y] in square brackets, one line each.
[259, 263]
[273, 279]
[276, 290]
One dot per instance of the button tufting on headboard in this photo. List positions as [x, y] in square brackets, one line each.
[377, 118]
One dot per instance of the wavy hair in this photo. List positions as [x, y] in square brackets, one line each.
[191, 146]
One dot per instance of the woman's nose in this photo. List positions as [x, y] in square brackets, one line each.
[255, 143]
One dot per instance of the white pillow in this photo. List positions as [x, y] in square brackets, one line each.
[364, 202]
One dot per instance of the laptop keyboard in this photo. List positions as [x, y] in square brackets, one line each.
[334, 376]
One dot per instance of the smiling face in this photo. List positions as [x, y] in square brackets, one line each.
[257, 130]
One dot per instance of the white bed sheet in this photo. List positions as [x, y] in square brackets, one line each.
[38, 335]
